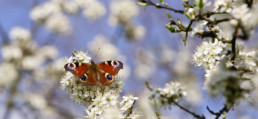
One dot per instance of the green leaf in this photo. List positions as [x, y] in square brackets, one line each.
[200, 4]
[185, 5]
[161, 1]
[169, 16]
[225, 115]
[170, 28]
[142, 4]
[187, 15]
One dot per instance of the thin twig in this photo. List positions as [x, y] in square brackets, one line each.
[148, 86]
[130, 111]
[225, 109]
[188, 111]
[187, 30]
[163, 7]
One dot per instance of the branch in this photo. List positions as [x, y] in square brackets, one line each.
[233, 47]
[130, 110]
[148, 86]
[188, 111]
[175, 103]
[225, 110]
[187, 30]
[149, 2]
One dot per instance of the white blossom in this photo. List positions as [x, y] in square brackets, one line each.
[71, 6]
[93, 9]
[58, 23]
[10, 52]
[221, 81]
[127, 102]
[122, 11]
[19, 33]
[8, 73]
[173, 91]
[36, 100]
[43, 11]
[134, 32]
[239, 12]
[209, 53]
[199, 27]
[32, 62]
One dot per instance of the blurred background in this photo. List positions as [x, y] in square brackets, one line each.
[38, 35]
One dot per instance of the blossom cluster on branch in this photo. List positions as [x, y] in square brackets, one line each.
[230, 67]
[99, 100]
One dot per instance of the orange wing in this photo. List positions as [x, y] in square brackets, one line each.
[105, 78]
[78, 69]
[82, 71]
[111, 67]
[107, 70]
[89, 78]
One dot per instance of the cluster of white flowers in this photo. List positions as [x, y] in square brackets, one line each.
[92, 9]
[209, 53]
[51, 13]
[221, 81]
[122, 13]
[172, 92]
[97, 99]
[9, 74]
[237, 11]
[22, 53]
[19, 33]
[224, 77]
[193, 12]
[23, 59]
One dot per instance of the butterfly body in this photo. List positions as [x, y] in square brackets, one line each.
[92, 74]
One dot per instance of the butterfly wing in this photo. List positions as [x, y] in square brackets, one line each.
[82, 71]
[111, 67]
[77, 69]
[107, 70]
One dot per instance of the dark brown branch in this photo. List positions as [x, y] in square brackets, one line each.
[130, 111]
[187, 30]
[149, 2]
[225, 109]
[188, 111]
[171, 100]
[233, 41]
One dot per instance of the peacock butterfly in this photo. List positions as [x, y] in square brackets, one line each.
[92, 74]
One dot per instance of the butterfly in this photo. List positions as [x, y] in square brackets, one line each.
[92, 74]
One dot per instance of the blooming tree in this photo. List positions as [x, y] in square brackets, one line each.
[163, 76]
